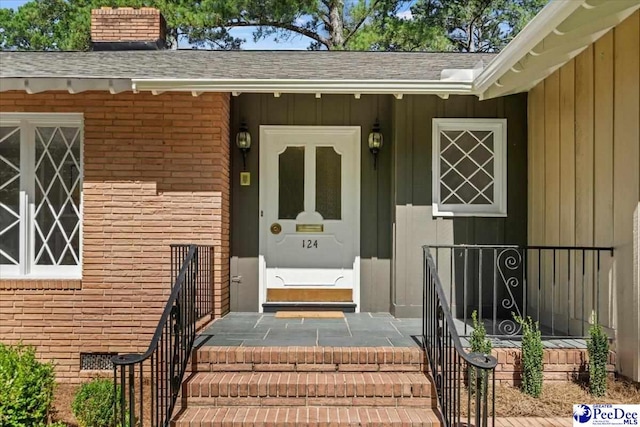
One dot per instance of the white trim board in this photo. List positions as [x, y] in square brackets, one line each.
[377, 87]
[499, 155]
[28, 124]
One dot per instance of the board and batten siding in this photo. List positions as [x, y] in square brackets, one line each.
[413, 221]
[584, 173]
[396, 217]
[375, 191]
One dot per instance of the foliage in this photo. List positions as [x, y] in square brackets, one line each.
[598, 348]
[531, 356]
[26, 387]
[479, 341]
[479, 344]
[477, 25]
[445, 25]
[93, 403]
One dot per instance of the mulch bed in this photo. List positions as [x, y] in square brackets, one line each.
[558, 398]
[62, 404]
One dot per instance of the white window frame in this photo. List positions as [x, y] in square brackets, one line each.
[27, 122]
[499, 207]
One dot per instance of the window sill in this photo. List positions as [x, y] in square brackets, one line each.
[468, 215]
[447, 211]
[33, 283]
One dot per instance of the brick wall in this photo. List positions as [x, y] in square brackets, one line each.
[558, 364]
[156, 171]
[126, 24]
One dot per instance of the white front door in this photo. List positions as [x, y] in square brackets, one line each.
[309, 212]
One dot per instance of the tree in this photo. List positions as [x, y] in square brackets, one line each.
[64, 24]
[476, 25]
[454, 25]
[392, 29]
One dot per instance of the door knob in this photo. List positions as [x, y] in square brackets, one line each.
[275, 228]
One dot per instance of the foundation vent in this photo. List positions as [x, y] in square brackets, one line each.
[96, 361]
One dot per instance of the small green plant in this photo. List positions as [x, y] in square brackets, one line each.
[531, 356]
[598, 348]
[479, 341]
[93, 403]
[479, 344]
[26, 387]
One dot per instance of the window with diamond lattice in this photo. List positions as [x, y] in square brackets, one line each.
[40, 195]
[469, 167]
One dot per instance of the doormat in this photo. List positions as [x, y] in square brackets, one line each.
[309, 314]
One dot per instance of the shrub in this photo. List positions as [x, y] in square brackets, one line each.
[93, 403]
[479, 344]
[479, 341]
[26, 387]
[598, 348]
[531, 356]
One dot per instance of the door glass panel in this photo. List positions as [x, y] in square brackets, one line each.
[291, 183]
[328, 183]
[57, 217]
[9, 195]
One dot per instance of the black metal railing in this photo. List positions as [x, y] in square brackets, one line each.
[147, 385]
[451, 366]
[560, 287]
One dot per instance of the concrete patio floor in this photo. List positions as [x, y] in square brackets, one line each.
[354, 330]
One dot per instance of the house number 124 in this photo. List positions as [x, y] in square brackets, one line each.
[308, 244]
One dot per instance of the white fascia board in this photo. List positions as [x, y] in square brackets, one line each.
[548, 19]
[71, 84]
[407, 87]
[461, 85]
[583, 32]
[539, 68]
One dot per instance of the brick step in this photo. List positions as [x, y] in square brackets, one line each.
[308, 359]
[305, 416]
[309, 384]
[374, 402]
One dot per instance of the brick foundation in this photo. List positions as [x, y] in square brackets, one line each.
[559, 365]
[156, 171]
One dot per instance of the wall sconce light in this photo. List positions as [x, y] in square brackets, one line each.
[243, 141]
[375, 142]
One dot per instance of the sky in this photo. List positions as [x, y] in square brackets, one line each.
[294, 43]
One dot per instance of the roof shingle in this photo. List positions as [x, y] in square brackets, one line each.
[199, 64]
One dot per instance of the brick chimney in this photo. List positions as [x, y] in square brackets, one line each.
[126, 28]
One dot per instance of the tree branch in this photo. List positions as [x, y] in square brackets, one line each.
[325, 20]
[283, 25]
[359, 24]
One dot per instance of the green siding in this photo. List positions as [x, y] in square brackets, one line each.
[329, 110]
[395, 198]
[412, 159]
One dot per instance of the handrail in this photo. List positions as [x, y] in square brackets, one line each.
[447, 357]
[129, 359]
[163, 364]
[537, 247]
[557, 286]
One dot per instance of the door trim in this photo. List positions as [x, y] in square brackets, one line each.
[354, 132]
